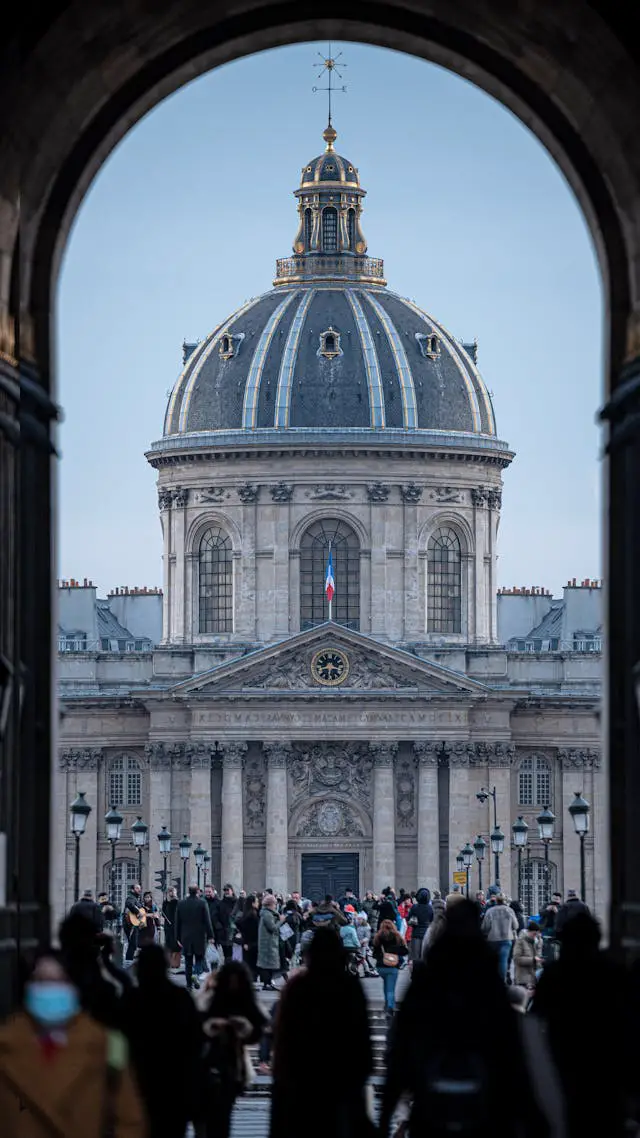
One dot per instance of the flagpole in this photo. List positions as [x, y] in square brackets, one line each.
[331, 598]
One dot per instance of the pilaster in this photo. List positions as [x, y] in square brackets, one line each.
[277, 836]
[232, 841]
[384, 837]
[428, 822]
[200, 795]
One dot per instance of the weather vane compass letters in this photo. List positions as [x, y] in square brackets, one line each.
[330, 67]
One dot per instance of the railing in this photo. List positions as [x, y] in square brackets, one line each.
[320, 266]
[80, 644]
[578, 644]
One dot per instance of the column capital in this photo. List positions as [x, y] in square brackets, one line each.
[199, 755]
[233, 754]
[493, 754]
[460, 753]
[80, 759]
[277, 754]
[579, 759]
[157, 755]
[427, 752]
[383, 754]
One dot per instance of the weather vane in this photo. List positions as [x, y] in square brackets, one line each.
[329, 64]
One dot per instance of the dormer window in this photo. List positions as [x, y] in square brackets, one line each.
[429, 345]
[229, 345]
[330, 344]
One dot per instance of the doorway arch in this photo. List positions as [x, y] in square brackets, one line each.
[85, 77]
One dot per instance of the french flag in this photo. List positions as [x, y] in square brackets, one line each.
[330, 585]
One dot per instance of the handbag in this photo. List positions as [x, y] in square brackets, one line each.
[390, 959]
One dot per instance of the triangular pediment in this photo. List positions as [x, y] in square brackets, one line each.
[330, 658]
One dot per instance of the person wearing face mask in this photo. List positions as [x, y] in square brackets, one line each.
[62, 1074]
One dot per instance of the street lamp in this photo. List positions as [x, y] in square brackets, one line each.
[482, 796]
[198, 854]
[579, 811]
[206, 862]
[460, 863]
[80, 811]
[113, 822]
[480, 847]
[545, 820]
[164, 837]
[520, 832]
[467, 860]
[139, 832]
[184, 846]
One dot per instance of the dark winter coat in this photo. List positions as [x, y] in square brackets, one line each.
[91, 910]
[419, 919]
[226, 905]
[247, 926]
[566, 912]
[169, 909]
[269, 941]
[193, 925]
[388, 911]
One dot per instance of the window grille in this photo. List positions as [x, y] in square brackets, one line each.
[215, 582]
[535, 786]
[125, 782]
[444, 582]
[525, 783]
[351, 222]
[307, 230]
[125, 876]
[329, 230]
[535, 887]
[314, 554]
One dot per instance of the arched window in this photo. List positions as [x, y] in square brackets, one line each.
[538, 882]
[329, 230]
[444, 582]
[314, 555]
[535, 787]
[215, 582]
[307, 230]
[124, 876]
[124, 782]
[351, 224]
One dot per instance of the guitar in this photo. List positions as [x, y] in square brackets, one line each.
[139, 919]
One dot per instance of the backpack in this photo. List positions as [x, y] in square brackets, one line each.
[456, 1094]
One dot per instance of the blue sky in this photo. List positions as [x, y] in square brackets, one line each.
[475, 223]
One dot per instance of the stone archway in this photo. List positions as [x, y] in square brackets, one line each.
[77, 82]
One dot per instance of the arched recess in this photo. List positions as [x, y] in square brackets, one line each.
[81, 86]
[330, 229]
[335, 538]
[363, 830]
[432, 591]
[214, 582]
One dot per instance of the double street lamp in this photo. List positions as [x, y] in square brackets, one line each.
[198, 854]
[579, 811]
[546, 820]
[520, 832]
[113, 822]
[466, 854]
[206, 862]
[496, 837]
[184, 846]
[480, 847]
[80, 811]
[139, 832]
[164, 837]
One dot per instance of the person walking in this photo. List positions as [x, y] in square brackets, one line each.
[389, 951]
[419, 918]
[268, 942]
[438, 904]
[231, 1021]
[500, 927]
[193, 929]
[226, 908]
[247, 926]
[155, 1011]
[89, 909]
[526, 956]
[571, 907]
[169, 910]
[388, 909]
[371, 906]
[63, 1074]
[322, 1056]
[454, 897]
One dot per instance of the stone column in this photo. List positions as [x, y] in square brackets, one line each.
[159, 759]
[460, 804]
[232, 868]
[277, 756]
[501, 760]
[164, 505]
[200, 797]
[178, 600]
[428, 819]
[384, 815]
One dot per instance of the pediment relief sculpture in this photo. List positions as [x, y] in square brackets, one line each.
[329, 820]
[341, 768]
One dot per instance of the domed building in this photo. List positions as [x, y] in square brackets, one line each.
[331, 691]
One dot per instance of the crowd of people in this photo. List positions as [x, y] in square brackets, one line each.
[506, 1023]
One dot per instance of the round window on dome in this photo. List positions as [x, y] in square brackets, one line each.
[308, 169]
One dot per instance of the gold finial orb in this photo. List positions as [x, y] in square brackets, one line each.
[329, 135]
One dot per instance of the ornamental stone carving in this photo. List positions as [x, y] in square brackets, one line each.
[366, 673]
[580, 759]
[459, 754]
[248, 492]
[344, 768]
[232, 753]
[277, 755]
[377, 492]
[180, 497]
[446, 494]
[255, 796]
[411, 493]
[157, 756]
[164, 499]
[81, 759]
[405, 794]
[428, 752]
[494, 499]
[281, 492]
[198, 755]
[383, 754]
[329, 820]
[502, 755]
[211, 494]
[329, 492]
[478, 496]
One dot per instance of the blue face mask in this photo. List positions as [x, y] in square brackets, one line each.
[51, 1004]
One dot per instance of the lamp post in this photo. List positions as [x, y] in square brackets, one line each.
[164, 837]
[198, 854]
[139, 832]
[496, 837]
[206, 862]
[113, 822]
[80, 811]
[579, 811]
[520, 832]
[185, 850]
[467, 860]
[545, 820]
[480, 847]
[460, 863]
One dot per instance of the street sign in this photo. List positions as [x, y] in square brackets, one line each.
[460, 877]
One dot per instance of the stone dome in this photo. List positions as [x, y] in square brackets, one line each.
[329, 347]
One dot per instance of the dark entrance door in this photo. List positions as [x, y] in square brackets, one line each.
[329, 873]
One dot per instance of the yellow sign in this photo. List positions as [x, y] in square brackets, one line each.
[460, 878]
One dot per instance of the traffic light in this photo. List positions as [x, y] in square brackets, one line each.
[161, 880]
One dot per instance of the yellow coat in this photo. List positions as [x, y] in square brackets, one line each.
[65, 1096]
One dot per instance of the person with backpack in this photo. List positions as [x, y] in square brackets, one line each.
[462, 1079]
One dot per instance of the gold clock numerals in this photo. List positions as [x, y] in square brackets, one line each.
[330, 666]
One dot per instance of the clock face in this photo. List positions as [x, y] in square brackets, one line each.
[330, 666]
